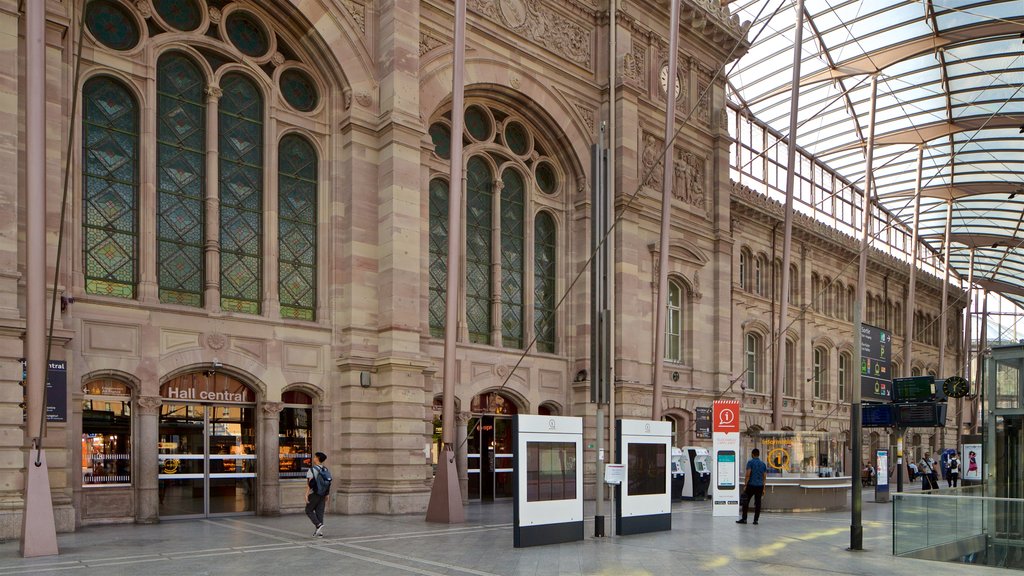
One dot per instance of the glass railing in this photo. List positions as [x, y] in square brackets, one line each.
[951, 524]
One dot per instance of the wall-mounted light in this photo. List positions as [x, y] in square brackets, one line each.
[581, 376]
[364, 379]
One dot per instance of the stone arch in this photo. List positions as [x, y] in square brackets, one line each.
[555, 408]
[311, 390]
[684, 420]
[133, 381]
[517, 398]
[251, 379]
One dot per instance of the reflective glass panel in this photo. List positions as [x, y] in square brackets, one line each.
[297, 227]
[438, 272]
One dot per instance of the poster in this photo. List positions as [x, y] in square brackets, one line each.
[725, 480]
[703, 428]
[56, 390]
[970, 462]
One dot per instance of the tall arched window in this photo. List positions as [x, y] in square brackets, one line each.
[844, 373]
[744, 269]
[512, 219]
[820, 373]
[181, 179]
[297, 216]
[438, 272]
[816, 292]
[479, 199]
[794, 285]
[789, 385]
[760, 266]
[240, 131]
[674, 323]
[545, 246]
[850, 299]
[753, 361]
[110, 187]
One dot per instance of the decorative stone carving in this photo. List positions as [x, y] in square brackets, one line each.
[539, 23]
[358, 12]
[689, 182]
[148, 405]
[364, 99]
[215, 15]
[277, 59]
[143, 7]
[634, 65]
[697, 294]
[501, 370]
[586, 113]
[650, 161]
[515, 81]
[216, 340]
[703, 112]
[429, 42]
[271, 409]
[347, 93]
[214, 92]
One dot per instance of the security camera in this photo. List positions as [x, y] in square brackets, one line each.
[216, 364]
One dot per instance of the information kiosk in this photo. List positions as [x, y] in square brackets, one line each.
[548, 470]
[642, 501]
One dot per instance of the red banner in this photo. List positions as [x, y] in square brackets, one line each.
[726, 416]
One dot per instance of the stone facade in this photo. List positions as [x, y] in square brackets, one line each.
[367, 356]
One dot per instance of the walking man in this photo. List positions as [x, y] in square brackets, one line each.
[953, 480]
[316, 502]
[753, 485]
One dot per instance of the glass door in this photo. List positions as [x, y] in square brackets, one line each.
[473, 458]
[207, 460]
[503, 447]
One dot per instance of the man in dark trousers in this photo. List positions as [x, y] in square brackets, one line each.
[753, 485]
[315, 503]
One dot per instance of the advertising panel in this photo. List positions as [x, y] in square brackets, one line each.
[643, 502]
[703, 420]
[548, 471]
[970, 462]
[56, 389]
[727, 455]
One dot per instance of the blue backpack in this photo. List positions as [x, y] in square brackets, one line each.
[322, 477]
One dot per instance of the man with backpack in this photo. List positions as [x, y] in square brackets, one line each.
[318, 491]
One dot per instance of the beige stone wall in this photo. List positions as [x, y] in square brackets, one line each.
[384, 74]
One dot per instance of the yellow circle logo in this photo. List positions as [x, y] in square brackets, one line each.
[778, 458]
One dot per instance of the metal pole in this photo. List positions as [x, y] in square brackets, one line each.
[856, 529]
[908, 329]
[979, 380]
[598, 381]
[667, 186]
[787, 235]
[609, 266]
[939, 433]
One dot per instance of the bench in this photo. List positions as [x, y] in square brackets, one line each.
[824, 485]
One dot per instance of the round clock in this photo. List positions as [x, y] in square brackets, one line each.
[663, 77]
[956, 387]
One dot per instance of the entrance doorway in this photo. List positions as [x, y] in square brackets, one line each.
[490, 448]
[207, 450]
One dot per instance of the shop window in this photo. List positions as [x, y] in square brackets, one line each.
[295, 434]
[106, 433]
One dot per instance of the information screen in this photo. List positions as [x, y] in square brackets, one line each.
[726, 470]
[550, 471]
[647, 469]
[875, 363]
[914, 389]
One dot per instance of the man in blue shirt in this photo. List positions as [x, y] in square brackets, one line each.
[753, 485]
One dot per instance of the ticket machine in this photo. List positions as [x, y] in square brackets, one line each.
[696, 465]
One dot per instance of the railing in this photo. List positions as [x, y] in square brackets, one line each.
[952, 525]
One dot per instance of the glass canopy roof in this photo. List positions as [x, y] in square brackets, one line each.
[950, 81]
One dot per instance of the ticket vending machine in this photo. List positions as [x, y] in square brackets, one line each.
[696, 462]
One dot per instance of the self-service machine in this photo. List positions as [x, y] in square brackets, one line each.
[696, 465]
[678, 474]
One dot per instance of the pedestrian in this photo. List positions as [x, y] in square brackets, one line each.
[753, 485]
[912, 470]
[954, 471]
[316, 495]
[929, 476]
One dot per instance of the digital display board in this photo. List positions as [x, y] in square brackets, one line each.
[875, 363]
[914, 389]
[550, 471]
[877, 415]
[646, 465]
[921, 414]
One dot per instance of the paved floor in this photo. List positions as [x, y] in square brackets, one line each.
[786, 545]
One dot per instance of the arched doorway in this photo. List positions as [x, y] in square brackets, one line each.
[207, 446]
[489, 447]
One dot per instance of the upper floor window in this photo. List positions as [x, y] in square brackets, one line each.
[754, 361]
[674, 323]
[844, 373]
[297, 227]
[820, 373]
[744, 272]
[789, 385]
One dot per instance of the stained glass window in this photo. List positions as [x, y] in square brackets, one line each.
[546, 179]
[479, 200]
[516, 138]
[438, 256]
[181, 14]
[181, 161]
[544, 282]
[240, 137]
[441, 136]
[297, 224]
[112, 24]
[478, 123]
[512, 196]
[110, 184]
[299, 90]
[247, 34]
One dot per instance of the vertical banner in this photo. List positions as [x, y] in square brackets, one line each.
[970, 462]
[881, 476]
[703, 428]
[725, 480]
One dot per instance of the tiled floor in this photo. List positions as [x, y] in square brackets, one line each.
[783, 545]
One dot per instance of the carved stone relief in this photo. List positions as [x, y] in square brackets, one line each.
[690, 173]
[704, 104]
[634, 65]
[538, 23]
[358, 12]
[429, 42]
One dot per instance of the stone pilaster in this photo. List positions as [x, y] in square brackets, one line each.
[147, 469]
[211, 248]
[268, 500]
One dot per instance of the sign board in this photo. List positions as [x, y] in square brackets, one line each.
[56, 390]
[970, 462]
[614, 473]
[877, 415]
[206, 388]
[923, 414]
[914, 389]
[881, 476]
[725, 481]
[643, 502]
[875, 363]
[548, 469]
[703, 421]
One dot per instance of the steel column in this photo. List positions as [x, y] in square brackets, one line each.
[911, 304]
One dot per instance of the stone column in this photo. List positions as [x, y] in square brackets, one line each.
[268, 500]
[147, 470]
[211, 250]
[461, 451]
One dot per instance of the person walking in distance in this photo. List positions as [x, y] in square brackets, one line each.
[753, 485]
[318, 492]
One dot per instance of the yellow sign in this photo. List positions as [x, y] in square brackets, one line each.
[778, 459]
[167, 445]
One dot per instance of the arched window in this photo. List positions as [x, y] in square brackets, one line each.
[816, 295]
[181, 165]
[789, 385]
[479, 199]
[106, 433]
[512, 255]
[438, 272]
[110, 187]
[545, 247]
[295, 434]
[674, 323]
[794, 285]
[820, 373]
[240, 129]
[897, 370]
[851, 297]
[744, 273]
[777, 280]
[760, 266]
[753, 361]
[297, 224]
[845, 374]
[915, 371]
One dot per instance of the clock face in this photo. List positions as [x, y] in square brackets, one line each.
[664, 82]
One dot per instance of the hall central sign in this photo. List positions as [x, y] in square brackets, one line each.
[202, 388]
